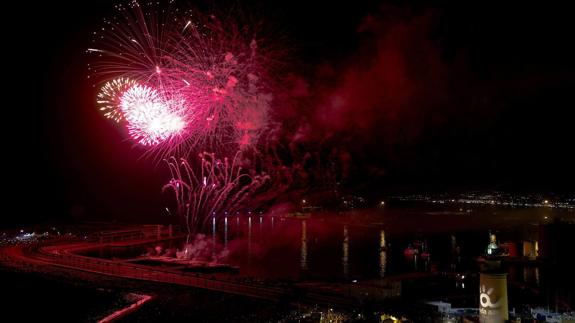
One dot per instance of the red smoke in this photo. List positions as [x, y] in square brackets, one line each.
[374, 103]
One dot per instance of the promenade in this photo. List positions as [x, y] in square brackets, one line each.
[66, 255]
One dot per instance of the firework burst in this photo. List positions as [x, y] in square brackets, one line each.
[109, 97]
[220, 187]
[151, 118]
[183, 82]
[211, 77]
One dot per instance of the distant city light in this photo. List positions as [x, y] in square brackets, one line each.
[493, 198]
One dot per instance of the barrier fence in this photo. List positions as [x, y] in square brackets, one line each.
[158, 275]
[54, 256]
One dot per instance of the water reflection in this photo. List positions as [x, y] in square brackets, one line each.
[382, 254]
[531, 275]
[303, 254]
[345, 247]
[455, 254]
[226, 233]
[249, 241]
[260, 229]
[214, 237]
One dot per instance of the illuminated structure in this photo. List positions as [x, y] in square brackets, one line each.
[493, 306]
[530, 249]
[492, 247]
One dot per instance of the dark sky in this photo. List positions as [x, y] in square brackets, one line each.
[475, 95]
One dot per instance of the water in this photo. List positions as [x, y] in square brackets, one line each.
[371, 245]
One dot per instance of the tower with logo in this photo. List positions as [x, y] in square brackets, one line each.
[493, 306]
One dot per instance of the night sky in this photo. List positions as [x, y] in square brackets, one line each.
[412, 95]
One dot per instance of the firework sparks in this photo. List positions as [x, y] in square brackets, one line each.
[218, 188]
[182, 83]
[109, 97]
[151, 119]
[216, 69]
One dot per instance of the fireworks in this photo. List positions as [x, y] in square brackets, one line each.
[151, 119]
[183, 81]
[109, 97]
[220, 187]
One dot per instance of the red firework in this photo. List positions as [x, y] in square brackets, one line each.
[201, 83]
